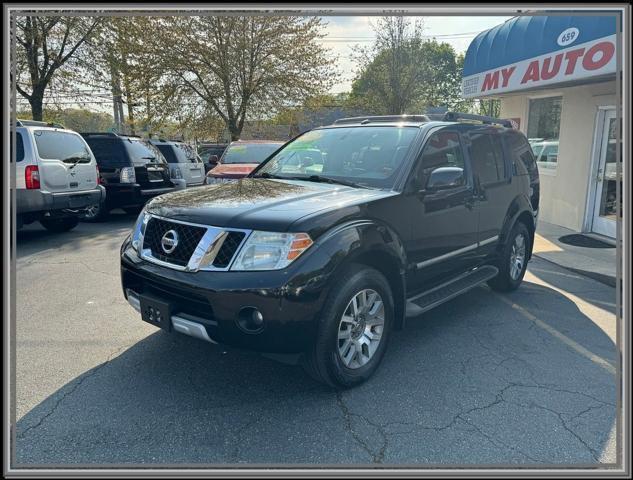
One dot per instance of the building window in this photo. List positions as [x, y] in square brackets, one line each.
[543, 130]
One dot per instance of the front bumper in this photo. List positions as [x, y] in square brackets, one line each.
[32, 201]
[289, 300]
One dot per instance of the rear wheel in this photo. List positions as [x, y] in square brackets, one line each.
[513, 260]
[59, 225]
[95, 213]
[354, 329]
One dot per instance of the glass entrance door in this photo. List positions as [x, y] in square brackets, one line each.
[605, 204]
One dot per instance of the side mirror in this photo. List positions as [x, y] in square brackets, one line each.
[214, 159]
[444, 178]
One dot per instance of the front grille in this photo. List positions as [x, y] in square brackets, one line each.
[228, 249]
[188, 238]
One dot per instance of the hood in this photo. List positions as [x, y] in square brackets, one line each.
[258, 203]
[232, 170]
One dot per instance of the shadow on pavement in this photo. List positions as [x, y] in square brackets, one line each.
[472, 382]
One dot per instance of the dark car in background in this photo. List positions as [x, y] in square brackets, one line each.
[210, 153]
[132, 171]
[240, 158]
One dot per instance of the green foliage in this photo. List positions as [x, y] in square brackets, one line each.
[80, 120]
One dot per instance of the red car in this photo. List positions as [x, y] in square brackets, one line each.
[240, 158]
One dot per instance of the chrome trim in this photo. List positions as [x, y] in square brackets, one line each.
[446, 256]
[179, 324]
[204, 253]
[489, 240]
[192, 329]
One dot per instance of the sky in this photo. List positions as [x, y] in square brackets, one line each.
[344, 33]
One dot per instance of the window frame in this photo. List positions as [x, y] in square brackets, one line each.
[544, 166]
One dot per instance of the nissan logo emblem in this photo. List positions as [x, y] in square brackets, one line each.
[169, 242]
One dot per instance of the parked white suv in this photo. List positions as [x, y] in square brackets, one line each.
[56, 176]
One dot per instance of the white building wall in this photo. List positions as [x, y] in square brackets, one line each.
[564, 192]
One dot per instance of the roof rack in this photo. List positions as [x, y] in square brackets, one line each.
[457, 116]
[37, 123]
[107, 134]
[383, 119]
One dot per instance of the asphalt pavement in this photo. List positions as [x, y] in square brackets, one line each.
[527, 378]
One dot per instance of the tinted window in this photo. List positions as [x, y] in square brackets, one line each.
[486, 153]
[520, 152]
[248, 152]
[168, 153]
[56, 145]
[178, 153]
[142, 152]
[442, 150]
[19, 153]
[368, 155]
[109, 152]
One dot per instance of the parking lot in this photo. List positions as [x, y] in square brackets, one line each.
[527, 378]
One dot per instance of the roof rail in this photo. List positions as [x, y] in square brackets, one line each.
[107, 134]
[383, 118]
[457, 116]
[37, 123]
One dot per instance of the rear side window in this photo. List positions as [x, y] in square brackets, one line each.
[486, 152]
[521, 153]
[19, 151]
[168, 153]
[64, 146]
[108, 152]
[142, 152]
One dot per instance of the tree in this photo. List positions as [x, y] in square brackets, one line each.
[242, 65]
[404, 73]
[44, 45]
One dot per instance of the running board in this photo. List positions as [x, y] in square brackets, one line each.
[427, 300]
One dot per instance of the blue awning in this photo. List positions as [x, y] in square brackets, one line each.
[525, 37]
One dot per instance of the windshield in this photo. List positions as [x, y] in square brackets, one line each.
[248, 152]
[369, 156]
[64, 146]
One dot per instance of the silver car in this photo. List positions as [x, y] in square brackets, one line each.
[184, 162]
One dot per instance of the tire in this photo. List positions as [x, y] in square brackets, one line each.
[511, 273]
[59, 225]
[133, 210]
[325, 361]
[95, 213]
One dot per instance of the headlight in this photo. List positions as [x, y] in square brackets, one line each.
[139, 231]
[271, 251]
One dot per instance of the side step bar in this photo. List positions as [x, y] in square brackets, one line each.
[449, 290]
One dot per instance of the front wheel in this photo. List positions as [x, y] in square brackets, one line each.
[354, 329]
[513, 260]
[59, 225]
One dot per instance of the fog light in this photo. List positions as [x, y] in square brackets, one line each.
[250, 320]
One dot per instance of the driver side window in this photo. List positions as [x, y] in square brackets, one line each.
[442, 163]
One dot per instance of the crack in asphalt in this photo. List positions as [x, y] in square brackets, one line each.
[20, 435]
[377, 457]
[35, 261]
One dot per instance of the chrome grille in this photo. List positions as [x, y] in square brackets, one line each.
[200, 247]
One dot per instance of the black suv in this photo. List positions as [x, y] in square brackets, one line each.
[338, 238]
[131, 169]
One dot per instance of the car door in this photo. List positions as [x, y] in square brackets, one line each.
[444, 224]
[494, 189]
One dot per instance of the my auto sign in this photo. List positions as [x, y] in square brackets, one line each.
[574, 62]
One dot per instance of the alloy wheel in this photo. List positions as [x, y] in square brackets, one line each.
[517, 256]
[360, 329]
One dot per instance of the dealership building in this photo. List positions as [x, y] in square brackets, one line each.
[556, 79]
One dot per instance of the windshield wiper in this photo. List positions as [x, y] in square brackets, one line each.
[75, 159]
[268, 175]
[320, 179]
